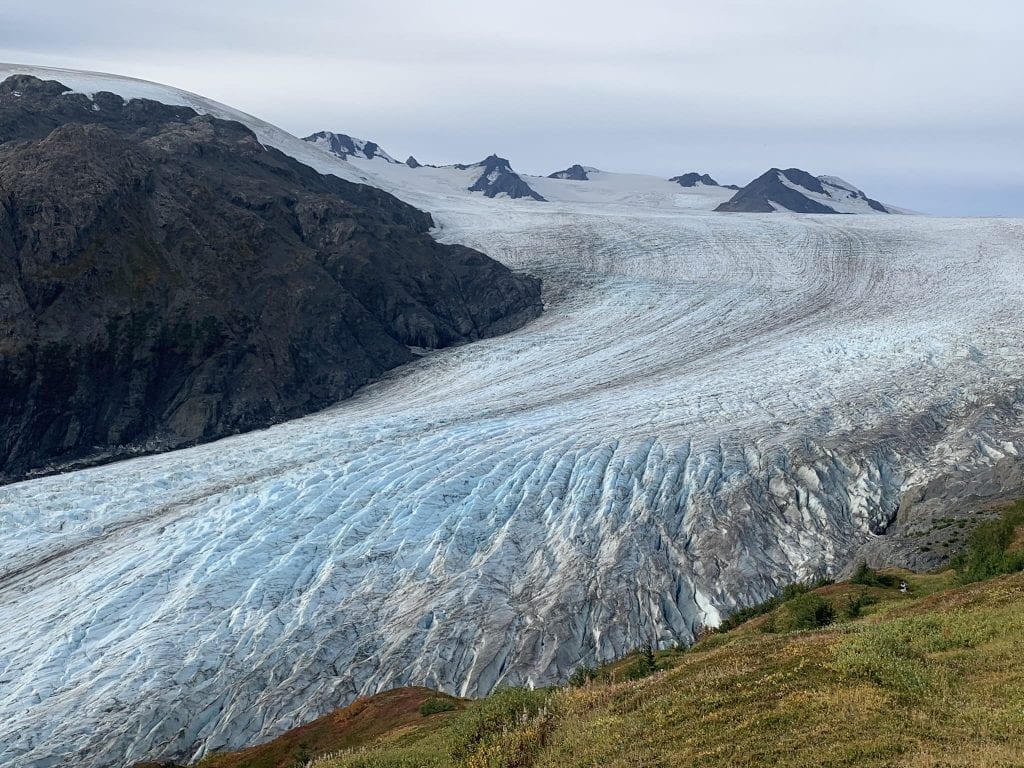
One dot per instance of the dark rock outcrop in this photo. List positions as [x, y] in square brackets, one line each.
[497, 178]
[412, 162]
[693, 179]
[770, 187]
[345, 146]
[573, 173]
[165, 280]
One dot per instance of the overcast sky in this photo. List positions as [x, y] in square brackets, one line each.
[916, 101]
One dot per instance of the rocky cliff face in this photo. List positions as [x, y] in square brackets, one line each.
[165, 279]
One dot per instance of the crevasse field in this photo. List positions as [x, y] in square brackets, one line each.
[710, 405]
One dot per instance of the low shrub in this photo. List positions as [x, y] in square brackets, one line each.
[987, 554]
[855, 605]
[786, 594]
[806, 611]
[643, 665]
[435, 704]
[488, 721]
[583, 675]
[869, 577]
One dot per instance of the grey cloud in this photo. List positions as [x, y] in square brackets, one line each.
[903, 98]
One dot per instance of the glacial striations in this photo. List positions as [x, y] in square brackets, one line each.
[169, 280]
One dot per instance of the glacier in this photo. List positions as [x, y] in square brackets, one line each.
[710, 406]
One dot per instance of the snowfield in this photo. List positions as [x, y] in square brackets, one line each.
[711, 405]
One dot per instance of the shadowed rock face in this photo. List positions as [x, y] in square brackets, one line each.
[573, 173]
[166, 280]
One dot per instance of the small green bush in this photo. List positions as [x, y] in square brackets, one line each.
[986, 555]
[485, 720]
[787, 593]
[643, 665]
[869, 577]
[806, 611]
[436, 704]
[744, 615]
[855, 605]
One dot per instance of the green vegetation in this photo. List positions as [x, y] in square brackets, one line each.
[806, 611]
[993, 548]
[789, 592]
[855, 605]
[508, 728]
[869, 577]
[436, 704]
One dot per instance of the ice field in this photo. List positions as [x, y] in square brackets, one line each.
[711, 404]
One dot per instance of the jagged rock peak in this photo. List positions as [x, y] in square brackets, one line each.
[412, 162]
[498, 178]
[345, 146]
[798, 191]
[573, 173]
[693, 179]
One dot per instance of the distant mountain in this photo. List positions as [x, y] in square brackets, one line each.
[800, 192]
[693, 179]
[345, 146]
[573, 173]
[168, 279]
[498, 178]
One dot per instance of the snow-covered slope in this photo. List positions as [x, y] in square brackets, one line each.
[710, 405]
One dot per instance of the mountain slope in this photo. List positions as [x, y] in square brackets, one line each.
[170, 281]
[800, 192]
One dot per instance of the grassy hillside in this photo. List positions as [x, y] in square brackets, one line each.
[931, 677]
